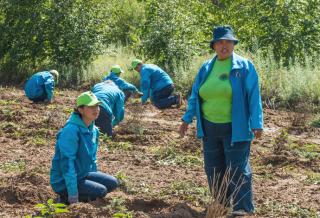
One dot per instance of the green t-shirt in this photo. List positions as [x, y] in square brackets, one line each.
[216, 93]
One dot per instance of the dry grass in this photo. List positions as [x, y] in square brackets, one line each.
[221, 204]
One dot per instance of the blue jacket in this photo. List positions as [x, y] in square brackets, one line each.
[121, 83]
[153, 78]
[75, 155]
[246, 100]
[40, 84]
[112, 99]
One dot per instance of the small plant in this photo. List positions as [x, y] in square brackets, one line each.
[123, 215]
[316, 122]
[49, 209]
[171, 156]
[124, 183]
[281, 141]
[188, 191]
[13, 166]
[117, 205]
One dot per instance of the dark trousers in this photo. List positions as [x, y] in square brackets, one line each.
[104, 122]
[164, 98]
[220, 154]
[40, 98]
[94, 185]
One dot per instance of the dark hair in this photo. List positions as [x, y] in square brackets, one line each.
[76, 111]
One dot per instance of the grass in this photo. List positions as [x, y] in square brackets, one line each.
[309, 151]
[271, 208]
[118, 208]
[188, 191]
[313, 178]
[13, 166]
[108, 145]
[288, 87]
[125, 183]
[316, 122]
[8, 102]
[171, 156]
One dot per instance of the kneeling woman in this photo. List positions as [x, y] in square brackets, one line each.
[74, 176]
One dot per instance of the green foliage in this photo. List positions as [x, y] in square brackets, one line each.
[171, 156]
[188, 191]
[124, 22]
[171, 33]
[13, 166]
[118, 207]
[289, 27]
[50, 209]
[316, 122]
[36, 35]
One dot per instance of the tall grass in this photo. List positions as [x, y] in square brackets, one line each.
[101, 66]
[290, 87]
[295, 86]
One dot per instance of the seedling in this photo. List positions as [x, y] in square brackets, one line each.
[49, 209]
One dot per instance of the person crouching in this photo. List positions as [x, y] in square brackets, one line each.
[74, 175]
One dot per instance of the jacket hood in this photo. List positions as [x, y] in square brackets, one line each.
[76, 120]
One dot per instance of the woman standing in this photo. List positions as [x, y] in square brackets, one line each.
[74, 176]
[226, 101]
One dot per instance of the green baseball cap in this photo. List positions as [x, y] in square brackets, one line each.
[117, 69]
[87, 99]
[135, 63]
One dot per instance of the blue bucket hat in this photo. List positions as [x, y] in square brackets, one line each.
[223, 32]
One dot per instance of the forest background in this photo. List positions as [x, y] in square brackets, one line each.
[82, 39]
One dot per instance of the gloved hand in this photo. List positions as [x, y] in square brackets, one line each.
[73, 199]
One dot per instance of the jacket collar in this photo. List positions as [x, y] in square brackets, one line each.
[236, 63]
[76, 119]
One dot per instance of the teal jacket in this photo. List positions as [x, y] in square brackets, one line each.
[40, 84]
[75, 155]
[121, 83]
[112, 99]
[153, 79]
[246, 100]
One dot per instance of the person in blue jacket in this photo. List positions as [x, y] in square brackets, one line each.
[74, 175]
[226, 101]
[112, 105]
[127, 88]
[157, 83]
[40, 87]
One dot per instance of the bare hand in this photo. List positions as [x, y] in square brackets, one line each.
[183, 129]
[257, 133]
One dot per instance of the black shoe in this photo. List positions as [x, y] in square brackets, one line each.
[238, 213]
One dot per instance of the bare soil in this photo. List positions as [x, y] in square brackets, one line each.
[162, 175]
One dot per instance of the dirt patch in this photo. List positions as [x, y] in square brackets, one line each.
[156, 166]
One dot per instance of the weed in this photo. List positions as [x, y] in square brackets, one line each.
[50, 209]
[117, 206]
[109, 145]
[8, 102]
[38, 141]
[124, 183]
[316, 122]
[13, 166]
[286, 210]
[281, 141]
[134, 121]
[122, 215]
[171, 156]
[221, 203]
[9, 127]
[188, 191]
[313, 178]
[309, 151]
